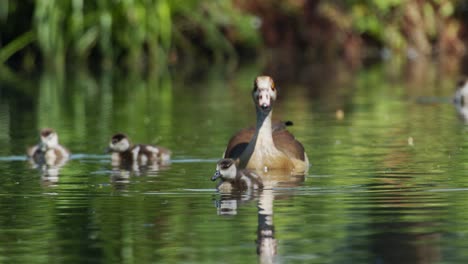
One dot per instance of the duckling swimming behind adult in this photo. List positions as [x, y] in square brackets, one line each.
[235, 179]
[48, 151]
[123, 152]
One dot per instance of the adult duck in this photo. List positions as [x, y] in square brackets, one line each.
[268, 146]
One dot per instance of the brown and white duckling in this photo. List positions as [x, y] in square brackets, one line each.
[235, 179]
[123, 152]
[461, 95]
[269, 146]
[48, 151]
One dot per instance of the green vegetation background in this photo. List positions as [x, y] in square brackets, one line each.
[155, 33]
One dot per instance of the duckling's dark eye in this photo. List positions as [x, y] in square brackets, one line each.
[114, 141]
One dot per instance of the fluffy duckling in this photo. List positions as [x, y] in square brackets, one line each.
[234, 179]
[123, 152]
[461, 95]
[48, 151]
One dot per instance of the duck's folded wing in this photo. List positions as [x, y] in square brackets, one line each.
[287, 143]
[238, 143]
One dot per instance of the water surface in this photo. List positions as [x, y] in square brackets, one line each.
[388, 181]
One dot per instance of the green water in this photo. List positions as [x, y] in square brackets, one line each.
[388, 182]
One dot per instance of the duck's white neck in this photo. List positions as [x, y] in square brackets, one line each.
[263, 131]
[262, 138]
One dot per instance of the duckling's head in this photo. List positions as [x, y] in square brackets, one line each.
[461, 95]
[49, 139]
[264, 93]
[119, 143]
[226, 170]
[462, 83]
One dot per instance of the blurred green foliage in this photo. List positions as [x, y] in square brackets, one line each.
[399, 24]
[155, 33]
[141, 32]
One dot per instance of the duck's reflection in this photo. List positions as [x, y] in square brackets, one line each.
[121, 173]
[120, 178]
[50, 174]
[460, 100]
[135, 169]
[50, 171]
[231, 199]
[462, 112]
[266, 242]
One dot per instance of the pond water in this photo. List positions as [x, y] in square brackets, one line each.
[387, 183]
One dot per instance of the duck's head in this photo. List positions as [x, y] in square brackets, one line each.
[49, 139]
[119, 143]
[264, 93]
[225, 169]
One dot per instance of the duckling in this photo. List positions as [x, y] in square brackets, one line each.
[123, 152]
[48, 151]
[235, 179]
[461, 95]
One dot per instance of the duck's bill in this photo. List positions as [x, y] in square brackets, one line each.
[216, 175]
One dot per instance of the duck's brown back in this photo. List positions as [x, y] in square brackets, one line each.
[287, 143]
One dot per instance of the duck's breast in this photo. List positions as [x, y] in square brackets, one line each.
[238, 143]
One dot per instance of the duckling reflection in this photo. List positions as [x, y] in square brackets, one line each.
[120, 179]
[460, 99]
[233, 179]
[49, 175]
[461, 94]
[266, 243]
[48, 151]
[137, 157]
[229, 202]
